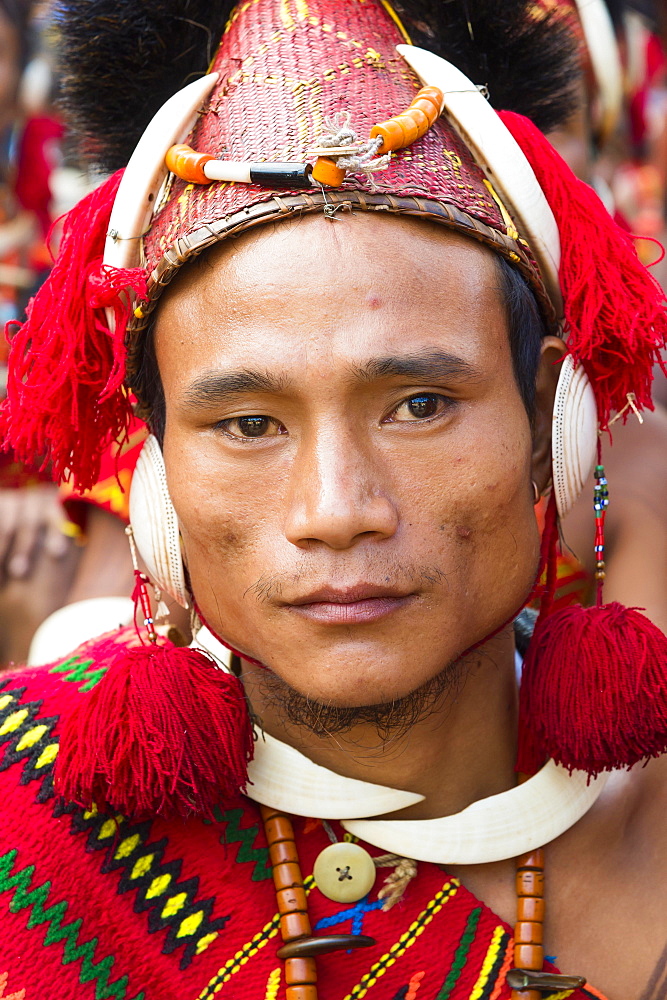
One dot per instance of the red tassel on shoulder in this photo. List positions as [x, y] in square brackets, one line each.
[593, 691]
[65, 399]
[165, 733]
[615, 319]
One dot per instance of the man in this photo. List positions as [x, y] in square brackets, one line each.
[352, 418]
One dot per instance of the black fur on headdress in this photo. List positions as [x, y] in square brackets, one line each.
[122, 59]
[527, 61]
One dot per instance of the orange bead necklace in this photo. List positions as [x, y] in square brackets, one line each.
[300, 947]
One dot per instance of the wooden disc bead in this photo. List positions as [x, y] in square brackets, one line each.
[528, 932]
[326, 171]
[529, 956]
[282, 851]
[292, 900]
[530, 908]
[279, 828]
[391, 134]
[301, 993]
[534, 860]
[300, 971]
[529, 884]
[294, 926]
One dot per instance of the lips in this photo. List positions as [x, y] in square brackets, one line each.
[358, 604]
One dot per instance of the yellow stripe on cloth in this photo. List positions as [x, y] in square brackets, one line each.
[489, 962]
[417, 927]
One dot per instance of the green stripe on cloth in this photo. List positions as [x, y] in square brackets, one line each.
[460, 955]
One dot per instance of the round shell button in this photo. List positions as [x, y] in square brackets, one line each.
[344, 872]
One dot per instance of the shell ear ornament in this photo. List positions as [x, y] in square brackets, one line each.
[155, 523]
[574, 435]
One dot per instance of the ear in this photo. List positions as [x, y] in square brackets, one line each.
[553, 350]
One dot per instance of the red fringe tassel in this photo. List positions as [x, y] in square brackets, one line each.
[65, 397]
[164, 733]
[594, 685]
[615, 317]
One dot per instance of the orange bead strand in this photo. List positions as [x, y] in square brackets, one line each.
[528, 930]
[326, 171]
[300, 973]
[187, 164]
[404, 129]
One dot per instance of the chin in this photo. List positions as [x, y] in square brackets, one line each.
[379, 700]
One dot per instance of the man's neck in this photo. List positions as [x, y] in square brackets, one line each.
[460, 752]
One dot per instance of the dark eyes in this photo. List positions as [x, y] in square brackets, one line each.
[255, 426]
[421, 406]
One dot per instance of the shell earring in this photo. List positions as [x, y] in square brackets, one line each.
[575, 434]
[155, 523]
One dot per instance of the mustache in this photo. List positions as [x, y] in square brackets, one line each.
[273, 586]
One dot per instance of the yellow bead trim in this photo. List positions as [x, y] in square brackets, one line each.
[416, 928]
[512, 231]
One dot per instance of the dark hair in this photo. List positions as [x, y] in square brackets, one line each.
[525, 329]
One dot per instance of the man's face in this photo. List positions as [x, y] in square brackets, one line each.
[347, 451]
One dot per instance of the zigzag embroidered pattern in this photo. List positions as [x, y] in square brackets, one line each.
[27, 738]
[171, 905]
[245, 838]
[78, 671]
[35, 899]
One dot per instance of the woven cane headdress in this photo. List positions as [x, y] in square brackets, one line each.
[311, 106]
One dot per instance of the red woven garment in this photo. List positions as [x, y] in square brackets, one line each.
[96, 904]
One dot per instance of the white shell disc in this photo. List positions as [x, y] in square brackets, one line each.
[574, 435]
[155, 524]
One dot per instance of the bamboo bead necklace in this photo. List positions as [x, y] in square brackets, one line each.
[300, 946]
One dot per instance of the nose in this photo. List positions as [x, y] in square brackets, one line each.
[338, 494]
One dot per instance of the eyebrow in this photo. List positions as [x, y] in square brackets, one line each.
[435, 366]
[213, 387]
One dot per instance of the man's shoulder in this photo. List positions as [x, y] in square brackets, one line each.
[33, 700]
[68, 676]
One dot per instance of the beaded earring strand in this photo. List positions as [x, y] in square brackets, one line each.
[600, 504]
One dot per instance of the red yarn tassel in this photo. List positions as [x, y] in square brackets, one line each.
[165, 733]
[614, 309]
[65, 400]
[594, 690]
[594, 684]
